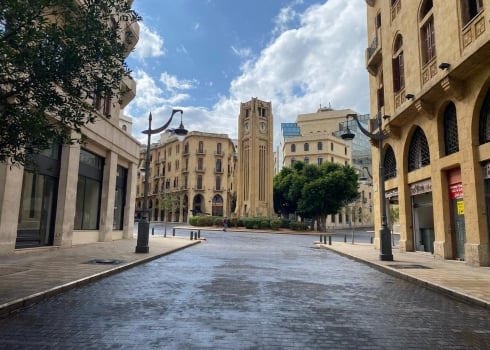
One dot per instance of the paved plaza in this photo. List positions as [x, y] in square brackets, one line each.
[249, 291]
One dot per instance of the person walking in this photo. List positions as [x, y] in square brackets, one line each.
[226, 222]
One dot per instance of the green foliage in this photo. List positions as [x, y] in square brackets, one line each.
[315, 191]
[217, 220]
[56, 55]
[298, 226]
[275, 223]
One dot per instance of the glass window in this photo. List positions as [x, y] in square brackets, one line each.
[470, 9]
[88, 191]
[320, 146]
[306, 147]
[398, 65]
[293, 148]
[120, 198]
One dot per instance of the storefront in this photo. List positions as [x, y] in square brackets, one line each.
[456, 204]
[423, 216]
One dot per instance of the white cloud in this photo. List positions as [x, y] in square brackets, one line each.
[318, 62]
[172, 83]
[243, 52]
[150, 44]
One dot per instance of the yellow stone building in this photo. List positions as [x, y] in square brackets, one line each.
[199, 174]
[255, 159]
[76, 194]
[314, 138]
[429, 77]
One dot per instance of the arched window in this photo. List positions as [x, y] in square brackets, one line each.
[201, 147]
[218, 148]
[389, 163]
[186, 148]
[427, 36]
[398, 65]
[306, 147]
[293, 148]
[485, 120]
[418, 153]
[451, 142]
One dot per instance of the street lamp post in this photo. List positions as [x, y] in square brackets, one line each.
[384, 232]
[144, 224]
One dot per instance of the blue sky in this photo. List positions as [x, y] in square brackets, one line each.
[207, 56]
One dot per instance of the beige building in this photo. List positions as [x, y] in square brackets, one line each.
[255, 159]
[315, 138]
[198, 174]
[75, 194]
[430, 73]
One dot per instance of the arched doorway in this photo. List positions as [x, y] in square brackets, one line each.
[198, 205]
[217, 206]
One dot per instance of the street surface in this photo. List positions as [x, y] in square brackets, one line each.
[249, 291]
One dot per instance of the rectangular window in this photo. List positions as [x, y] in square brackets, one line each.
[320, 146]
[88, 191]
[120, 198]
[320, 161]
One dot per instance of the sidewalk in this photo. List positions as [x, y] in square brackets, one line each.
[449, 277]
[31, 275]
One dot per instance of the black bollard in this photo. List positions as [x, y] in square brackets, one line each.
[192, 235]
[173, 231]
[152, 231]
[199, 234]
[345, 238]
[329, 240]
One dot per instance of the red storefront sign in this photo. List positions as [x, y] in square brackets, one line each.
[456, 191]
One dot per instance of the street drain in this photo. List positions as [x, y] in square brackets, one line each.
[413, 266]
[105, 261]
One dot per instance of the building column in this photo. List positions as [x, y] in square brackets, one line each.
[10, 193]
[67, 195]
[129, 209]
[107, 197]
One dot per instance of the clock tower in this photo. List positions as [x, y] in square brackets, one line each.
[255, 159]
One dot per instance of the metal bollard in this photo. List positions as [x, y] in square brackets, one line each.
[199, 234]
[325, 239]
[371, 239]
[329, 240]
[152, 231]
[173, 231]
[192, 235]
[345, 238]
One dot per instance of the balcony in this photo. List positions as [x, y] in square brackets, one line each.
[218, 171]
[373, 54]
[200, 170]
[221, 154]
[131, 36]
[199, 189]
[128, 91]
[201, 152]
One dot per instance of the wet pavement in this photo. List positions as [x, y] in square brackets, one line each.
[249, 291]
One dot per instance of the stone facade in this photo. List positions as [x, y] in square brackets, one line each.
[197, 173]
[57, 204]
[315, 138]
[255, 159]
[430, 75]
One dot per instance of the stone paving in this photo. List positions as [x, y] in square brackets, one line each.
[249, 291]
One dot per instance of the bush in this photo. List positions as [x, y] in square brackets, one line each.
[298, 226]
[285, 223]
[275, 224]
[218, 220]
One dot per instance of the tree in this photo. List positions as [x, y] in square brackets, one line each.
[58, 58]
[316, 191]
[167, 202]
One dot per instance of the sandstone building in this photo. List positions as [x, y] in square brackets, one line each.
[75, 194]
[430, 78]
[315, 138]
[198, 174]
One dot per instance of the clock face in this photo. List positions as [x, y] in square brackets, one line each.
[263, 126]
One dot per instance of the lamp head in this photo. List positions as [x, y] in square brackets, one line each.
[444, 66]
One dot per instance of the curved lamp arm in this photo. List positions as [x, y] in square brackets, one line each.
[377, 137]
[160, 129]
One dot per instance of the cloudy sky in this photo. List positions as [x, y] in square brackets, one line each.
[207, 56]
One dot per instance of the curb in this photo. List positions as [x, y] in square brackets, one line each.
[10, 307]
[451, 293]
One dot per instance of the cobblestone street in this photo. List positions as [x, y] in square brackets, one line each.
[249, 291]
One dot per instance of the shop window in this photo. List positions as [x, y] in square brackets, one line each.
[451, 142]
[418, 154]
[88, 191]
[389, 163]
